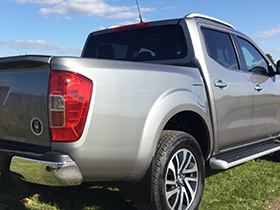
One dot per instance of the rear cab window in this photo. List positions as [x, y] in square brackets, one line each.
[154, 43]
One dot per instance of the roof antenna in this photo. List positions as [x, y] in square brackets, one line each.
[141, 21]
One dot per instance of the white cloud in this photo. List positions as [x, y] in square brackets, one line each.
[67, 18]
[30, 44]
[133, 13]
[168, 8]
[272, 50]
[263, 42]
[129, 14]
[40, 45]
[97, 28]
[137, 20]
[67, 51]
[41, 2]
[83, 7]
[268, 33]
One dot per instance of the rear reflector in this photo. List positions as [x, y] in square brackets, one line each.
[69, 100]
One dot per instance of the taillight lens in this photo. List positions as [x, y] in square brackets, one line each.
[69, 100]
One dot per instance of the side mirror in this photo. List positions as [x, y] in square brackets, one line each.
[278, 67]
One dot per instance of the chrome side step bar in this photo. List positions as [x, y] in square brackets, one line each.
[242, 155]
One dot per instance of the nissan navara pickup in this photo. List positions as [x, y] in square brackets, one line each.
[145, 106]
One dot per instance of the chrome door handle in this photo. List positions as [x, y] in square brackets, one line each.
[220, 84]
[258, 88]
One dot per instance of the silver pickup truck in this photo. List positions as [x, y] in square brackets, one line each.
[146, 105]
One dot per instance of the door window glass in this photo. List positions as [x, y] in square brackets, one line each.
[254, 60]
[220, 48]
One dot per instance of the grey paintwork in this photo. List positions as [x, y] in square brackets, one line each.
[237, 114]
[132, 102]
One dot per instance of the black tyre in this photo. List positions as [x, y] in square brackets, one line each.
[178, 172]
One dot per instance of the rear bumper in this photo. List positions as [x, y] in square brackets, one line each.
[52, 169]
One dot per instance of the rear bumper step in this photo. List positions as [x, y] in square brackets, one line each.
[239, 156]
[53, 169]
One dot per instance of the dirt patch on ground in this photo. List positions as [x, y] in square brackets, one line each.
[274, 205]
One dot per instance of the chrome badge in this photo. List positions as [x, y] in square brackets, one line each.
[36, 126]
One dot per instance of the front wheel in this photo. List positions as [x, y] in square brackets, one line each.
[178, 172]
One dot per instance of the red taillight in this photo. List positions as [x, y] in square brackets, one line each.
[131, 26]
[69, 100]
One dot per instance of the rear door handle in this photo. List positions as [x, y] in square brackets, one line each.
[220, 84]
[258, 88]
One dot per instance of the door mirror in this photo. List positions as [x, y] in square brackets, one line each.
[278, 67]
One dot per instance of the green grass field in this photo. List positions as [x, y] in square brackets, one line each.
[250, 186]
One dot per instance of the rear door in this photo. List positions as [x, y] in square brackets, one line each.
[233, 94]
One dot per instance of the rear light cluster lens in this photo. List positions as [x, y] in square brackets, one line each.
[69, 100]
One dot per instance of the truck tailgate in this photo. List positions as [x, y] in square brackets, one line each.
[24, 100]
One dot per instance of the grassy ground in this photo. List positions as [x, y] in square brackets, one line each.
[250, 186]
[21, 196]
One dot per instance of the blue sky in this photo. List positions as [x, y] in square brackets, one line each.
[60, 27]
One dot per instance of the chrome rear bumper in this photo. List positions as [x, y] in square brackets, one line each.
[57, 171]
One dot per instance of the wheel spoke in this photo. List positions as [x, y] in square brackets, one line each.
[184, 157]
[172, 192]
[171, 168]
[190, 189]
[191, 179]
[170, 182]
[177, 164]
[181, 199]
[190, 170]
[185, 195]
[177, 199]
[188, 162]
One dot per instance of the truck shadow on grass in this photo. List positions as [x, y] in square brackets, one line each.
[20, 195]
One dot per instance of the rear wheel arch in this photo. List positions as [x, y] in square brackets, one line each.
[192, 123]
[188, 122]
[176, 110]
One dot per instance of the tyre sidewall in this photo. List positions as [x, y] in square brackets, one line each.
[180, 142]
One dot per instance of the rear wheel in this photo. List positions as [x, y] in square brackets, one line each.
[178, 172]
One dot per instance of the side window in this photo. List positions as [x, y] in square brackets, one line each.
[254, 60]
[220, 48]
